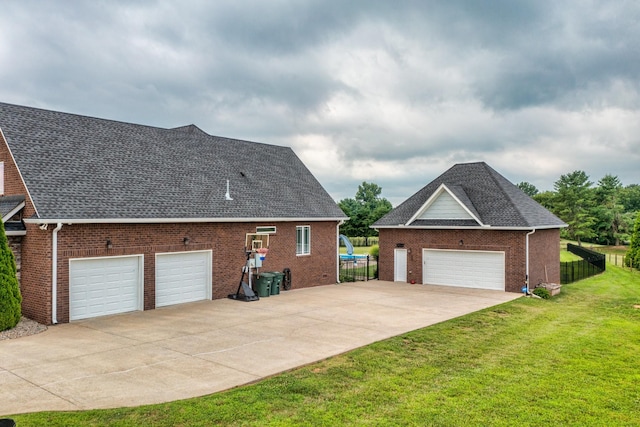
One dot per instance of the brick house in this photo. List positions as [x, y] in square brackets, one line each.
[470, 227]
[107, 217]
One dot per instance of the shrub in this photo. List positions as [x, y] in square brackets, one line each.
[632, 258]
[10, 298]
[542, 293]
[374, 251]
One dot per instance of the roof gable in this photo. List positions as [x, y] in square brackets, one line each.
[83, 168]
[490, 199]
[445, 205]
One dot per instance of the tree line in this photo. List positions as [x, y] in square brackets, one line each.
[602, 213]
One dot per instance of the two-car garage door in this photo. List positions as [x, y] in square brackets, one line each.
[110, 285]
[469, 269]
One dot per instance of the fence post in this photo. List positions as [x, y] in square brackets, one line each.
[367, 276]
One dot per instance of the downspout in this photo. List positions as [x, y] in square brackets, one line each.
[54, 274]
[338, 250]
[527, 260]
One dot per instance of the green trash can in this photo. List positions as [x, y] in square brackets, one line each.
[262, 284]
[277, 282]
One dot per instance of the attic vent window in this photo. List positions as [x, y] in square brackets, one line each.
[266, 230]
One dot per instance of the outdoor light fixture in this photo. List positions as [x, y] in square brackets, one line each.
[461, 242]
[109, 244]
[186, 241]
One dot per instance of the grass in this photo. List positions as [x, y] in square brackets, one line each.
[358, 250]
[571, 360]
[566, 256]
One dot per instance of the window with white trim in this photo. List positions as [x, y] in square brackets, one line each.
[303, 240]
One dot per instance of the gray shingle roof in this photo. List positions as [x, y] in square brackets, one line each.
[78, 167]
[498, 202]
[9, 203]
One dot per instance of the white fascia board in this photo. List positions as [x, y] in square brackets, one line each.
[8, 216]
[18, 169]
[479, 227]
[168, 220]
[16, 233]
[433, 198]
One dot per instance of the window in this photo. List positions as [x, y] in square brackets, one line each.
[271, 229]
[303, 238]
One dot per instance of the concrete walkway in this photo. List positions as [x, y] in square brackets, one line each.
[200, 348]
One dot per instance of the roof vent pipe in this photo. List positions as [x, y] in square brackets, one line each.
[227, 196]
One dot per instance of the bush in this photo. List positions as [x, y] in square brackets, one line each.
[374, 251]
[542, 293]
[632, 258]
[10, 298]
[363, 241]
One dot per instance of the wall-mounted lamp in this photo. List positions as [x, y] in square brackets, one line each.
[186, 241]
[461, 242]
[109, 244]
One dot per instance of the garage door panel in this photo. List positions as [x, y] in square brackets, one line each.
[103, 286]
[472, 269]
[183, 277]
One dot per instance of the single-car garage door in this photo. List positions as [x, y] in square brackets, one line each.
[469, 269]
[102, 286]
[183, 277]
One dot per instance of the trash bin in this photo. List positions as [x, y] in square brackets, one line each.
[262, 284]
[277, 282]
[7, 422]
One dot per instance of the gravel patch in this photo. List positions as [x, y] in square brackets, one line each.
[25, 327]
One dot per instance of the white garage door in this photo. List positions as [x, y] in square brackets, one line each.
[469, 269]
[183, 277]
[102, 286]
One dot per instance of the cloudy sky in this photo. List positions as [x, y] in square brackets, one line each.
[391, 92]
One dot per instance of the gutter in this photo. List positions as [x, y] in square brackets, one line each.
[54, 274]
[527, 258]
[35, 220]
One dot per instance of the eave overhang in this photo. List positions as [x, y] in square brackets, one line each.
[174, 220]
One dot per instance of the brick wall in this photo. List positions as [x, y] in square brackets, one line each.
[226, 240]
[544, 257]
[512, 243]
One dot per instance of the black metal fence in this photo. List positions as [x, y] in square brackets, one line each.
[354, 268]
[592, 263]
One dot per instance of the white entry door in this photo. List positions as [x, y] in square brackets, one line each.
[468, 269]
[102, 286]
[400, 265]
[183, 277]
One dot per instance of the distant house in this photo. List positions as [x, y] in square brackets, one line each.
[470, 227]
[108, 217]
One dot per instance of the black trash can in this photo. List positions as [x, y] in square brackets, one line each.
[7, 422]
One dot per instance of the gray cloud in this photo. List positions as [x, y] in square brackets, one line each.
[390, 92]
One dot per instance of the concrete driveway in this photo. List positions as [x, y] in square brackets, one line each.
[201, 348]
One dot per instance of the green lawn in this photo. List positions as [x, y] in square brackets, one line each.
[571, 360]
[358, 250]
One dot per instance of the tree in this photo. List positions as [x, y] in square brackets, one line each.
[630, 198]
[10, 298]
[633, 254]
[608, 211]
[574, 204]
[366, 208]
[528, 188]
